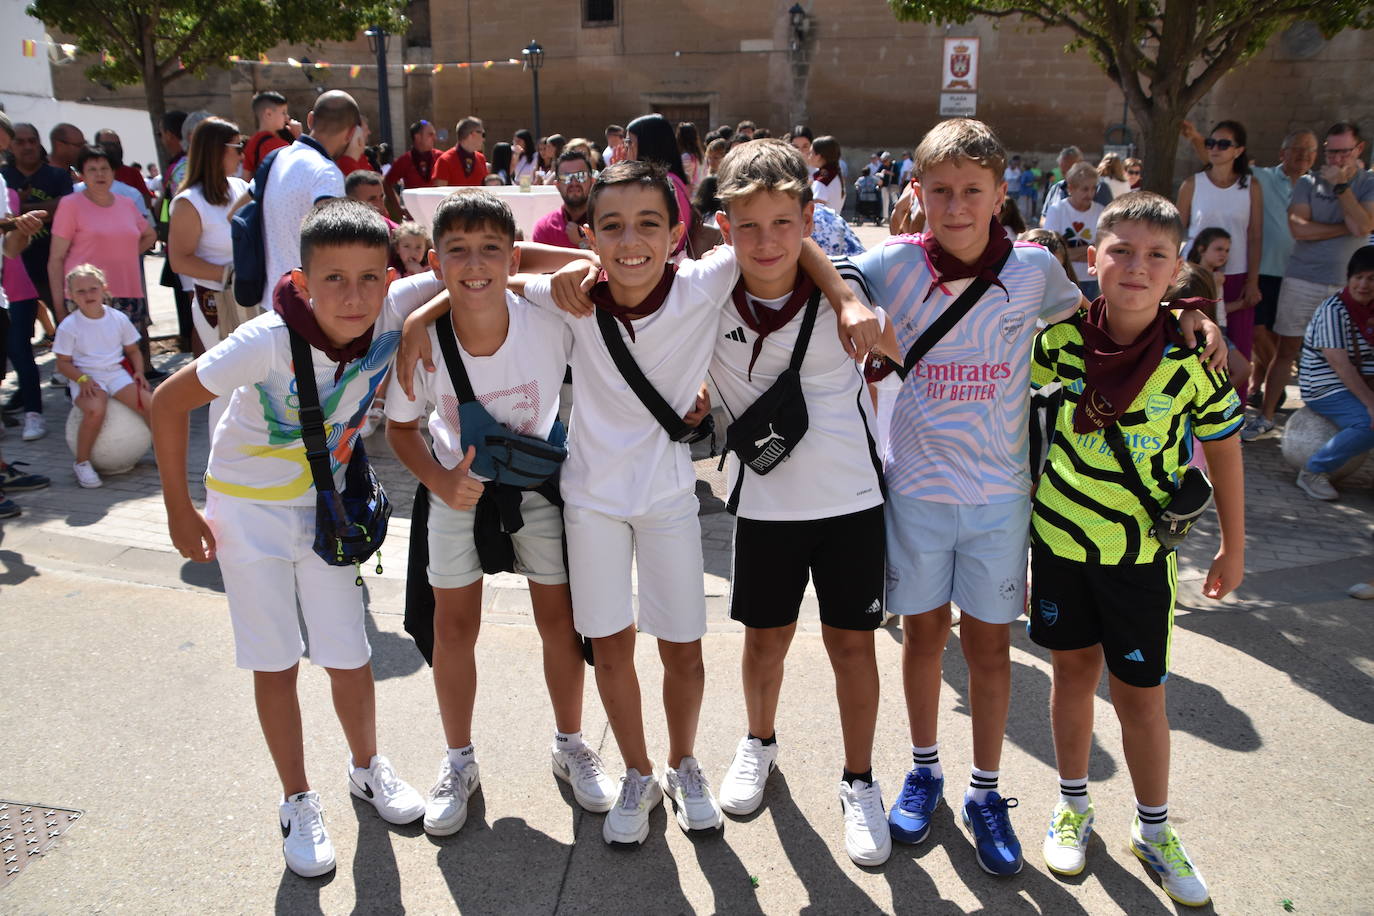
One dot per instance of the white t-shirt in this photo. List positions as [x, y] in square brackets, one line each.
[518, 384]
[620, 461]
[215, 245]
[1076, 226]
[256, 452]
[831, 471]
[301, 174]
[832, 194]
[95, 343]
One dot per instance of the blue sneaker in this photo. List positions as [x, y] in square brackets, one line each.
[909, 819]
[16, 481]
[9, 508]
[999, 852]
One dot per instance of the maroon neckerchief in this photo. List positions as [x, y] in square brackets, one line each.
[423, 163]
[1361, 316]
[826, 174]
[601, 295]
[947, 267]
[1114, 373]
[764, 321]
[300, 317]
[467, 160]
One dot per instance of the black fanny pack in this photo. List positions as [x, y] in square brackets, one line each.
[764, 435]
[676, 428]
[349, 526]
[1189, 498]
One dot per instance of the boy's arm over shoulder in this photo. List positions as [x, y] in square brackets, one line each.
[423, 382]
[1216, 408]
[407, 294]
[714, 275]
[1045, 352]
[244, 357]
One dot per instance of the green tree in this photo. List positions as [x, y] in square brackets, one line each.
[1165, 56]
[156, 42]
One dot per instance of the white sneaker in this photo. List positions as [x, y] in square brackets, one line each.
[1316, 485]
[867, 838]
[305, 843]
[1066, 842]
[34, 427]
[447, 809]
[696, 807]
[741, 791]
[581, 769]
[628, 820]
[1166, 855]
[379, 786]
[86, 475]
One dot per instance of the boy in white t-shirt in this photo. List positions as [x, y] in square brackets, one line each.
[514, 356]
[819, 513]
[91, 347]
[629, 490]
[1074, 217]
[259, 519]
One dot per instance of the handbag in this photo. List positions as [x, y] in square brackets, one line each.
[349, 526]
[764, 435]
[676, 428]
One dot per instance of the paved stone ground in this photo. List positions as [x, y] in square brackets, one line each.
[120, 698]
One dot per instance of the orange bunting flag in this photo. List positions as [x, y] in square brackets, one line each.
[409, 68]
[465, 64]
[488, 64]
[353, 71]
[30, 48]
[438, 68]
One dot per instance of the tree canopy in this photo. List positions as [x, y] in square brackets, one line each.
[1164, 56]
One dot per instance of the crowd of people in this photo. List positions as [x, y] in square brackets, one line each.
[1003, 290]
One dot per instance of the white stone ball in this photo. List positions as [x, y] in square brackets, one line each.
[123, 438]
[1305, 433]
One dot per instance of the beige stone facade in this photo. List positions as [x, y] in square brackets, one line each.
[857, 73]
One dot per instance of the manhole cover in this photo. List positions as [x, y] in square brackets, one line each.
[30, 831]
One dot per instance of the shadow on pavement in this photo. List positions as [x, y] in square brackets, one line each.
[393, 654]
[202, 575]
[297, 896]
[13, 569]
[830, 890]
[376, 877]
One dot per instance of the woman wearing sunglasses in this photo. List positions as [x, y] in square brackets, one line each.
[1223, 195]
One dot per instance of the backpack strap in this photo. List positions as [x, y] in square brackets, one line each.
[311, 415]
[457, 372]
[1130, 476]
[676, 428]
[948, 319]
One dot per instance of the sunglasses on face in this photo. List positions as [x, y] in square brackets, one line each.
[1133, 171]
[1218, 144]
[235, 146]
[574, 177]
[1339, 151]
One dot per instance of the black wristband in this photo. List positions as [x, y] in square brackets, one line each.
[1339, 189]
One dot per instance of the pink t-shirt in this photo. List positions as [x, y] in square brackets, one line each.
[18, 286]
[104, 236]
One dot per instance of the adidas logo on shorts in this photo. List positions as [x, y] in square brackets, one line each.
[876, 607]
[736, 335]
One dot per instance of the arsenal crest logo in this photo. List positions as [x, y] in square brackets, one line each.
[1012, 323]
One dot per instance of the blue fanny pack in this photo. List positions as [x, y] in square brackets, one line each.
[504, 457]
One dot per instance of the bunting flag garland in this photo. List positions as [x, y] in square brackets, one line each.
[29, 48]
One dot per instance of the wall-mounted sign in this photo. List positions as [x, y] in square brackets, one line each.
[960, 71]
[958, 104]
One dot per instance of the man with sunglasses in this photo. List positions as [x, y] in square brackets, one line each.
[563, 227]
[1330, 216]
[464, 165]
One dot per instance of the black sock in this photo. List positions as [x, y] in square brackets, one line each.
[771, 739]
[866, 776]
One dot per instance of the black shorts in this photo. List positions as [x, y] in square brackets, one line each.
[844, 555]
[1127, 609]
[1268, 305]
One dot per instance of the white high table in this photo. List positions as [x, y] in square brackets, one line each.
[527, 206]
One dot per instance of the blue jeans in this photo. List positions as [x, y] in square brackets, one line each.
[1355, 436]
[19, 349]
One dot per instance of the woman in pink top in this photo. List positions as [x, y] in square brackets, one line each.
[96, 226]
[23, 300]
[650, 138]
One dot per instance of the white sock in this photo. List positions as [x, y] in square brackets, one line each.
[928, 757]
[567, 741]
[461, 756]
[1074, 793]
[1153, 819]
[981, 784]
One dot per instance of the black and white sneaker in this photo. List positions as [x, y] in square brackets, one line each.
[379, 786]
[305, 843]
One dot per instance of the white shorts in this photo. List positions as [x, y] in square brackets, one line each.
[453, 560]
[269, 569]
[111, 381]
[665, 542]
[1298, 301]
[974, 556]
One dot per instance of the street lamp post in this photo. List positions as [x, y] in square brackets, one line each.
[534, 59]
[376, 39]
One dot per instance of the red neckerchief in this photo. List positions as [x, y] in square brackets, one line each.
[947, 267]
[467, 160]
[601, 295]
[300, 317]
[764, 321]
[826, 174]
[423, 162]
[1114, 373]
[1361, 316]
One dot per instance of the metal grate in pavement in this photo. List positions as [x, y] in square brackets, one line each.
[30, 831]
